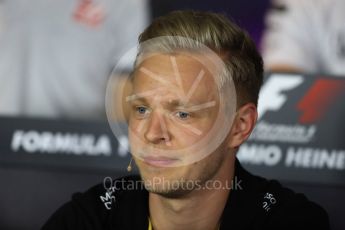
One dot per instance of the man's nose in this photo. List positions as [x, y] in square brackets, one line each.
[157, 132]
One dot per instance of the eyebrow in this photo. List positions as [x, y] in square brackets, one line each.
[176, 103]
[140, 96]
[202, 106]
[137, 97]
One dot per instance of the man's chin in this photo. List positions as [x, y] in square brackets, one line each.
[157, 174]
[168, 193]
[170, 188]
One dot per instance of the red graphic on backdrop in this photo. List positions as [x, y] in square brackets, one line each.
[315, 104]
[89, 13]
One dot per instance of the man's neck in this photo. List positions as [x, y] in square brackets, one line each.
[199, 209]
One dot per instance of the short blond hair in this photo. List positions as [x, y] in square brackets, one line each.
[243, 62]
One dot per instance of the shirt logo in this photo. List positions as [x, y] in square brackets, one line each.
[108, 199]
[269, 202]
[89, 13]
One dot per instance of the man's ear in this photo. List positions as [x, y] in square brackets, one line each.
[243, 125]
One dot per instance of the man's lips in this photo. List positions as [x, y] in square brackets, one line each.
[159, 161]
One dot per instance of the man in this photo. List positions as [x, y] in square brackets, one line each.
[193, 103]
[56, 56]
[305, 36]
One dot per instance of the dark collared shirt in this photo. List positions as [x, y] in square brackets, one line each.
[254, 203]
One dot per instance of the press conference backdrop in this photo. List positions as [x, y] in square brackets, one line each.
[299, 140]
[300, 134]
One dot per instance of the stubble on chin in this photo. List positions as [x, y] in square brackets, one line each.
[180, 181]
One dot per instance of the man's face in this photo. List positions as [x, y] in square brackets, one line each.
[174, 104]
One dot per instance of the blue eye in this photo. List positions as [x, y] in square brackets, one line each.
[141, 111]
[183, 115]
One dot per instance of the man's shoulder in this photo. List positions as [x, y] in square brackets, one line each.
[294, 210]
[110, 191]
[283, 208]
[95, 207]
[259, 203]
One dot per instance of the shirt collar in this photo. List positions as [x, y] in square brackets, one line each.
[239, 212]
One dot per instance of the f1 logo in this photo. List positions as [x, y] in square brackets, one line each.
[319, 98]
[312, 106]
[271, 97]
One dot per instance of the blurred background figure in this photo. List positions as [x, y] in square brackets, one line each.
[305, 36]
[56, 56]
[246, 13]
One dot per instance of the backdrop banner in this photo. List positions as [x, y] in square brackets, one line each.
[299, 136]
